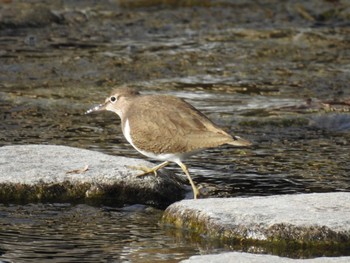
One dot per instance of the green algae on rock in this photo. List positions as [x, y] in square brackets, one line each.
[44, 173]
[294, 220]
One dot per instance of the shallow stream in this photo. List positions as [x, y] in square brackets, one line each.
[277, 74]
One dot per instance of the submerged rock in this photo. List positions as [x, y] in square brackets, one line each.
[334, 122]
[24, 15]
[307, 219]
[41, 173]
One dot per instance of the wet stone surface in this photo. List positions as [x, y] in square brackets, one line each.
[320, 219]
[276, 73]
[46, 173]
[236, 257]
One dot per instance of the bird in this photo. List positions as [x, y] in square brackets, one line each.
[165, 128]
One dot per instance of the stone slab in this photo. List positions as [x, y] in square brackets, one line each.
[56, 173]
[320, 218]
[237, 257]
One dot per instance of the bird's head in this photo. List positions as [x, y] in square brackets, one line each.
[115, 101]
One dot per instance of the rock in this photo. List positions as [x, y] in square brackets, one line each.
[307, 219]
[339, 122]
[41, 173]
[26, 15]
[237, 257]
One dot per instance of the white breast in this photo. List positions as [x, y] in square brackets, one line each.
[172, 157]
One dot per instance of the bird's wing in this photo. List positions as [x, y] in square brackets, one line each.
[172, 125]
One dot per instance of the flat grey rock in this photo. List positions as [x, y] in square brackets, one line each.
[58, 173]
[302, 218]
[237, 257]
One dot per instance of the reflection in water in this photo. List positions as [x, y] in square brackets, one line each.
[81, 233]
[66, 233]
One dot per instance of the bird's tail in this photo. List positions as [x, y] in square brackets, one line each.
[238, 141]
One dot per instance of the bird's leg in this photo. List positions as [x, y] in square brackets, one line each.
[194, 188]
[153, 170]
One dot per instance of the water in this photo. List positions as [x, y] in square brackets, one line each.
[67, 233]
[301, 158]
[272, 75]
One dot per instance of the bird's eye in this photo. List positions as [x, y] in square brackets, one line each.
[113, 99]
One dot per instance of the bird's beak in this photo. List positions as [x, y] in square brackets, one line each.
[100, 107]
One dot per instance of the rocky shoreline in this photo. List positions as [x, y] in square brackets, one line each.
[47, 173]
[307, 219]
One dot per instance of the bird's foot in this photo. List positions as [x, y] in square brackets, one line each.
[146, 170]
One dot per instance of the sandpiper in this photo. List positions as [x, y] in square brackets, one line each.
[165, 128]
